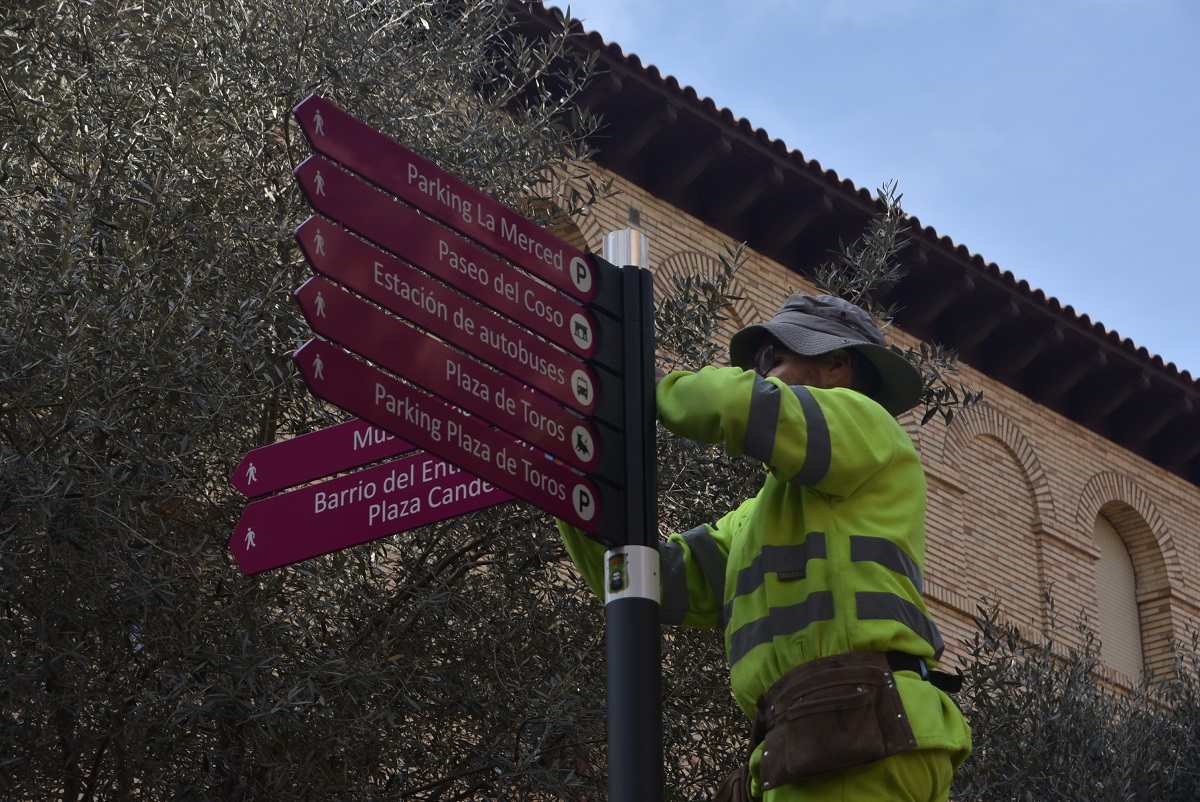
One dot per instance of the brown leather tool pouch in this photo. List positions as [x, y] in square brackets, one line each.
[736, 787]
[830, 714]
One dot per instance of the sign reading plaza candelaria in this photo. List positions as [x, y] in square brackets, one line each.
[534, 378]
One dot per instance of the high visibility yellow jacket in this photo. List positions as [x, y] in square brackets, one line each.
[826, 559]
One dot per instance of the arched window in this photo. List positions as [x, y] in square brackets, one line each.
[1002, 553]
[1116, 586]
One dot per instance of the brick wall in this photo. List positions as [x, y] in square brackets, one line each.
[1014, 488]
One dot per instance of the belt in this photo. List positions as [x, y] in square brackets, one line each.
[902, 661]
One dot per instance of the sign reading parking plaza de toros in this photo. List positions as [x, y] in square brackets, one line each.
[449, 322]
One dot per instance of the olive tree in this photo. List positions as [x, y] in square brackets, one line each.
[146, 152]
[1047, 725]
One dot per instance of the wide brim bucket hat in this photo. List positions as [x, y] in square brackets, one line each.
[812, 325]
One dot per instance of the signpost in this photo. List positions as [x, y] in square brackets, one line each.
[451, 322]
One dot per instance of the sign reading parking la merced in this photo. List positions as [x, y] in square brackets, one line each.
[445, 322]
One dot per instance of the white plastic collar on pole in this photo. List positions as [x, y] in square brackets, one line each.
[627, 247]
[631, 572]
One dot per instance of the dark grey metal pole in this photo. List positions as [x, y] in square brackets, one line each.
[633, 638]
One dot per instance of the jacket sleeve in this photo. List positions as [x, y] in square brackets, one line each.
[692, 568]
[830, 440]
[587, 554]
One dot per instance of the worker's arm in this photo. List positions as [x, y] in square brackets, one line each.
[691, 569]
[831, 440]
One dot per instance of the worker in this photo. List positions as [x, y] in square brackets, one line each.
[816, 580]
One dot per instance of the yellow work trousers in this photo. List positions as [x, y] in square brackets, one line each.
[922, 775]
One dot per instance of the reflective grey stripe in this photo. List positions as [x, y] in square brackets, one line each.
[889, 555]
[763, 421]
[890, 607]
[819, 453]
[707, 554]
[763, 425]
[780, 621]
[675, 599]
[789, 562]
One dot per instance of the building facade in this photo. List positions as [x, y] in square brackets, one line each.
[1072, 490]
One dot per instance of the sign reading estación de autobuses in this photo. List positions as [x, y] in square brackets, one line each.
[442, 255]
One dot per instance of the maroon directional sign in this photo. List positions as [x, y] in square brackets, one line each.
[391, 343]
[314, 455]
[336, 514]
[388, 164]
[447, 313]
[450, 433]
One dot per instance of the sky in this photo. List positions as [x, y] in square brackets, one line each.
[1058, 139]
